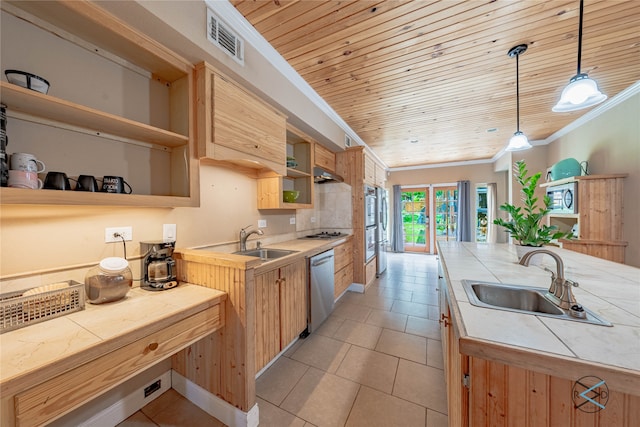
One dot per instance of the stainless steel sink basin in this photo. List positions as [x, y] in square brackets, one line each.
[266, 253]
[521, 299]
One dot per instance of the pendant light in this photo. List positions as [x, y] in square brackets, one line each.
[581, 92]
[519, 140]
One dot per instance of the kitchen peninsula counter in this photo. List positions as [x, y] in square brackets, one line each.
[508, 355]
[90, 351]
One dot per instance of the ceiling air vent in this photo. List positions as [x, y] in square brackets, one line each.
[347, 140]
[226, 39]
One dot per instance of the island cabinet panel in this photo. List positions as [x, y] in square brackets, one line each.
[236, 126]
[59, 395]
[222, 363]
[504, 395]
[281, 309]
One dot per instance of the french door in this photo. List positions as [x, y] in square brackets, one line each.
[446, 207]
[415, 219]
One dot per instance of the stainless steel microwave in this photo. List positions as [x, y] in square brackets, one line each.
[564, 198]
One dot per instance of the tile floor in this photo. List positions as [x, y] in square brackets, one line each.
[376, 361]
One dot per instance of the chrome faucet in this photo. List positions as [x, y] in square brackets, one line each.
[244, 235]
[560, 292]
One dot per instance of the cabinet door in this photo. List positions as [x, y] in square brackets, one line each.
[243, 123]
[343, 254]
[381, 175]
[293, 301]
[267, 300]
[369, 170]
[324, 158]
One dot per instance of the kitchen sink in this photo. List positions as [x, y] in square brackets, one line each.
[266, 253]
[522, 299]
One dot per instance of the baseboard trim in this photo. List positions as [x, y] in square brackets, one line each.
[213, 405]
[356, 287]
[127, 406]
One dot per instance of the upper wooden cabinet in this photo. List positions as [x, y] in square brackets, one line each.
[123, 108]
[236, 126]
[298, 175]
[369, 170]
[324, 158]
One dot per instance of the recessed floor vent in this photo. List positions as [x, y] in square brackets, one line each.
[224, 37]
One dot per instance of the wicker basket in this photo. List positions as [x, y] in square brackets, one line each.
[29, 306]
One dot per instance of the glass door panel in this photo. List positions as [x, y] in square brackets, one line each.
[415, 219]
[446, 208]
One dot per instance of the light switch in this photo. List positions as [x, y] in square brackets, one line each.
[262, 223]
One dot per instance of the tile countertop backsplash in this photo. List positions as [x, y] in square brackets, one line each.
[609, 289]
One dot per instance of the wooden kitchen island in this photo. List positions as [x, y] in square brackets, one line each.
[505, 368]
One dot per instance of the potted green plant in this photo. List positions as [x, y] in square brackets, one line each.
[525, 223]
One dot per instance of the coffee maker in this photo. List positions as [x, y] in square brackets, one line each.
[158, 267]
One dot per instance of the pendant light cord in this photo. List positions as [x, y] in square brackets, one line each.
[580, 36]
[517, 93]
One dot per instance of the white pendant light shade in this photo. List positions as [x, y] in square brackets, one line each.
[518, 141]
[581, 92]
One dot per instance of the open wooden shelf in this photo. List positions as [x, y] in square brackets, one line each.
[49, 107]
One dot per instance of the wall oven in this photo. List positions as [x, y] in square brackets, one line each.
[370, 243]
[564, 198]
[369, 206]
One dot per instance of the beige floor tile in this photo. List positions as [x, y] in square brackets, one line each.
[276, 382]
[429, 296]
[403, 345]
[434, 312]
[272, 416]
[436, 419]
[421, 384]
[321, 352]
[379, 302]
[391, 292]
[178, 411]
[352, 311]
[296, 345]
[370, 368]
[330, 326]
[424, 327]
[435, 357]
[358, 333]
[321, 398]
[411, 308]
[137, 420]
[387, 319]
[373, 408]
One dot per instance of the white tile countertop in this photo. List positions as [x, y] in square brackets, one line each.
[609, 289]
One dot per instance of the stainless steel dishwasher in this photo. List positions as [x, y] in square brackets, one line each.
[321, 269]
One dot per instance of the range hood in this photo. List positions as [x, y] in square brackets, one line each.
[321, 176]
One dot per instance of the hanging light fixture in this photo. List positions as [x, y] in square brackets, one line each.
[581, 92]
[519, 140]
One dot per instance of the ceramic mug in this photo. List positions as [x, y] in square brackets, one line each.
[24, 179]
[26, 162]
[115, 184]
[56, 181]
[86, 183]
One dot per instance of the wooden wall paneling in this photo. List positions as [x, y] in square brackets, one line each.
[223, 364]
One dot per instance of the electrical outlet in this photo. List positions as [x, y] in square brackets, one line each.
[262, 223]
[110, 234]
[292, 220]
[169, 232]
[313, 219]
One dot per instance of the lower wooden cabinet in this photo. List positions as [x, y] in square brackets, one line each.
[49, 400]
[343, 275]
[281, 309]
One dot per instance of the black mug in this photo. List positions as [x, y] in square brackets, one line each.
[56, 181]
[86, 183]
[115, 184]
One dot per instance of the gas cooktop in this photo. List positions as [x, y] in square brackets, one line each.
[326, 235]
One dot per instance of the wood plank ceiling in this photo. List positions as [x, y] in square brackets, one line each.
[438, 71]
